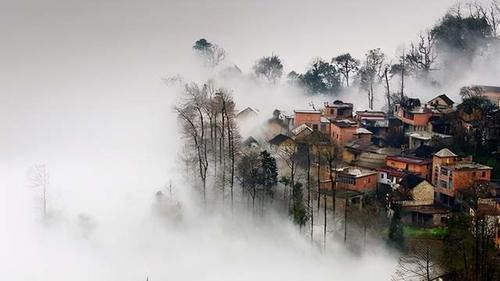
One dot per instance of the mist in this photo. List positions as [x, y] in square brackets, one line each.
[81, 92]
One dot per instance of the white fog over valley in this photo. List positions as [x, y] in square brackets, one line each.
[83, 92]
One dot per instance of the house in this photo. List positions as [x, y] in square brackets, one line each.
[390, 177]
[247, 113]
[419, 138]
[412, 114]
[451, 174]
[415, 197]
[442, 103]
[282, 141]
[302, 131]
[311, 118]
[337, 110]
[412, 164]
[342, 131]
[492, 93]
[250, 142]
[483, 201]
[376, 122]
[355, 178]
[280, 123]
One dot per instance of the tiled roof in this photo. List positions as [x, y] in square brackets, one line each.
[445, 152]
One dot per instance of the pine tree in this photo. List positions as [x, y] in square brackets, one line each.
[298, 209]
[269, 171]
[396, 235]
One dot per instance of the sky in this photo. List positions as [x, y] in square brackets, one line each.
[77, 33]
[81, 92]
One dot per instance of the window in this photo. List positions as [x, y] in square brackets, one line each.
[315, 126]
[443, 184]
[331, 111]
[483, 174]
[444, 171]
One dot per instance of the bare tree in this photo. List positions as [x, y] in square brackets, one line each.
[418, 265]
[211, 54]
[39, 178]
[192, 115]
[422, 54]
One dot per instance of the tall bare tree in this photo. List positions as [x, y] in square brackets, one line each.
[39, 177]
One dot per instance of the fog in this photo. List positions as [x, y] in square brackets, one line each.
[81, 92]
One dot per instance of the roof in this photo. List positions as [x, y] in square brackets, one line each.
[409, 159]
[248, 109]
[411, 180]
[363, 131]
[423, 135]
[310, 111]
[370, 160]
[445, 98]
[339, 104]
[345, 123]
[392, 172]
[424, 151]
[300, 129]
[356, 172]
[430, 209]
[279, 139]
[485, 88]
[370, 114]
[445, 152]
[469, 165]
[410, 102]
[249, 141]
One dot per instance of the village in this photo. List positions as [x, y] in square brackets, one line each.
[403, 158]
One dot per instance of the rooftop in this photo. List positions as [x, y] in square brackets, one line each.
[356, 172]
[392, 172]
[300, 129]
[279, 139]
[423, 135]
[445, 98]
[445, 152]
[409, 159]
[345, 123]
[367, 114]
[308, 111]
[469, 166]
[485, 88]
[339, 104]
[363, 131]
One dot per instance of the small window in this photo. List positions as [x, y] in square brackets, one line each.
[315, 126]
[483, 174]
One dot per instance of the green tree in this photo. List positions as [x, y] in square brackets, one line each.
[298, 209]
[210, 53]
[269, 68]
[396, 234]
[321, 78]
[462, 34]
[346, 65]
[268, 174]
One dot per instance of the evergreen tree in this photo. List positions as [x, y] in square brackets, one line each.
[298, 209]
[269, 171]
[396, 235]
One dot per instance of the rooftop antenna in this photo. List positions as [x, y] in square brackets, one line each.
[403, 74]
[311, 104]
